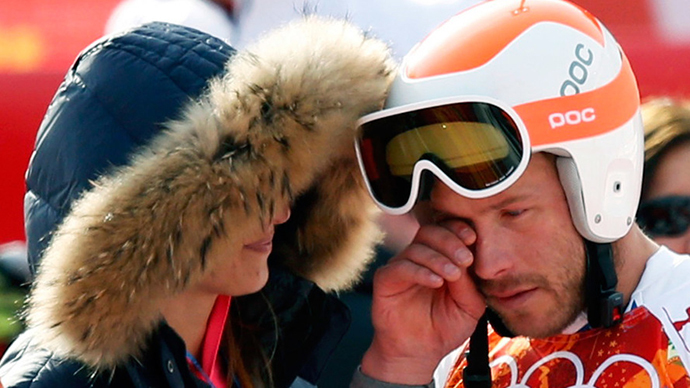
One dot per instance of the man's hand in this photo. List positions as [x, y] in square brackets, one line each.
[425, 305]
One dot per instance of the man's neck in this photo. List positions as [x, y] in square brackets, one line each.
[630, 257]
[577, 324]
[631, 254]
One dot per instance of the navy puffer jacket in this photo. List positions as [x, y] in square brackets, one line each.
[96, 121]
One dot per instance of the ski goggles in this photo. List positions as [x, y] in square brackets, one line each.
[477, 148]
[665, 217]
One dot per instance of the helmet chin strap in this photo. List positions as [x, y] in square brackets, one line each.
[477, 373]
[604, 303]
[604, 309]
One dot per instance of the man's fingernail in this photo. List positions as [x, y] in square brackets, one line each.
[465, 234]
[451, 269]
[463, 256]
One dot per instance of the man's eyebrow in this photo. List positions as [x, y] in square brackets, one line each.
[511, 200]
[443, 214]
[438, 212]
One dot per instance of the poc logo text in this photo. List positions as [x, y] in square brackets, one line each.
[573, 117]
[578, 71]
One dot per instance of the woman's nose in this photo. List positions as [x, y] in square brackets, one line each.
[281, 215]
[678, 244]
[686, 243]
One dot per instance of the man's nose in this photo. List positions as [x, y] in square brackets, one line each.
[492, 256]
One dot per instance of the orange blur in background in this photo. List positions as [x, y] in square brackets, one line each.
[39, 40]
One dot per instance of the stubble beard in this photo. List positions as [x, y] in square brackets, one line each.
[552, 321]
[566, 297]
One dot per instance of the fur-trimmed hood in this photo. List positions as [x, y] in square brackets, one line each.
[278, 125]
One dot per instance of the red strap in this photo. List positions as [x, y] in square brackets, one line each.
[210, 361]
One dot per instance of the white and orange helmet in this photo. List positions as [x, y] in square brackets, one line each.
[502, 80]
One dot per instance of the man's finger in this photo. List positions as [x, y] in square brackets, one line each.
[427, 257]
[446, 242]
[401, 275]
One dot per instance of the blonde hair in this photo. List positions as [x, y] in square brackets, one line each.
[666, 125]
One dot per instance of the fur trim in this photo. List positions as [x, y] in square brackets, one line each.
[279, 125]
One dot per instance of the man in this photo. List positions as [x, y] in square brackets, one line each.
[516, 127]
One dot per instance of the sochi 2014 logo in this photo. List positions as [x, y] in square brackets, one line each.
[577, 364]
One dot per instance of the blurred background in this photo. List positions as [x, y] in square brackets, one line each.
[39, 40]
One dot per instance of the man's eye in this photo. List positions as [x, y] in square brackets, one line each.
[515, 213]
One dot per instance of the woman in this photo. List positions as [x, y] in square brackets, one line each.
[665, 208]
[164, 191]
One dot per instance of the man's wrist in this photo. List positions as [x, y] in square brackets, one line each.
[413, 371]
[361, 380]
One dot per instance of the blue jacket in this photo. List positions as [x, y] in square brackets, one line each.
[114, 99]
[139, 154]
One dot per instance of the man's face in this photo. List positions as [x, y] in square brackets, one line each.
[529, 259]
